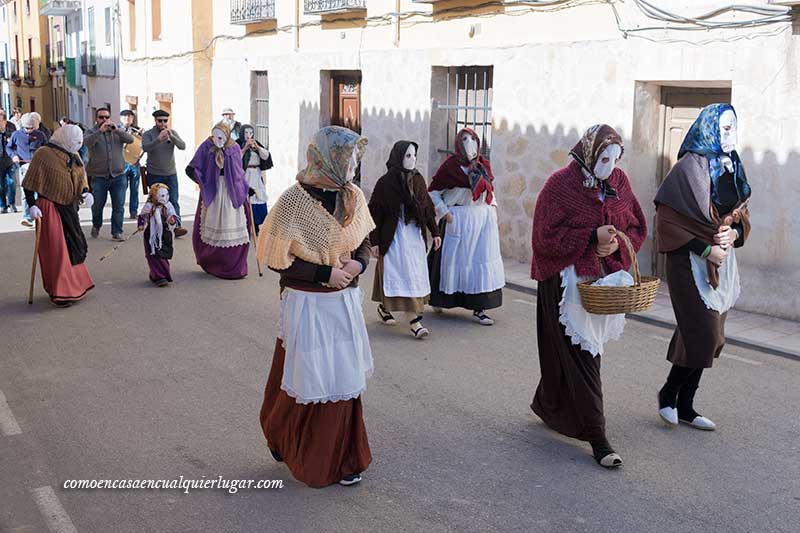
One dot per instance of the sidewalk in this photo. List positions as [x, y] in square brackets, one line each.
[748, 330]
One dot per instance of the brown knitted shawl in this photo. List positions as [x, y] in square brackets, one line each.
[54, 174]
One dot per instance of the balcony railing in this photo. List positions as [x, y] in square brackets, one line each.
[27, 71]
[252, 11]
[58, 8]
[320, 7]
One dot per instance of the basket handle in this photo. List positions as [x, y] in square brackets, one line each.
[637, 276]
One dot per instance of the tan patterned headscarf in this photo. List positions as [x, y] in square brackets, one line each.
[329, 156]
[219, 153]
[592, 144]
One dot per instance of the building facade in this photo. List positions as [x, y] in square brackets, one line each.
[29, 59]
[530, 79]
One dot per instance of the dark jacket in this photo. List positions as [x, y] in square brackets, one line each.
[5, 136]
[106, 152]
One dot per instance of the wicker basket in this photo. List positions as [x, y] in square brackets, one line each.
[615, 300]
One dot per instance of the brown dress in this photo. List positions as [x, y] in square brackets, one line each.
[700, 334]
[321, 442]
[569, 398]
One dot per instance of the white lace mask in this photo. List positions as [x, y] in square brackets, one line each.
[607, 161]
[470, 146]
[728, 131]
[410, 159]
[218, 138]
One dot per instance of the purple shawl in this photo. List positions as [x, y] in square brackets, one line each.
[206, 172]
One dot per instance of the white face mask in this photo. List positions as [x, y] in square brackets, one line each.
[218, 138]
[248, 134]
[227, 119]
[470, 146]
[728, 134]
[410, 159]
[351, 167]
[607, 160]
[163, 195]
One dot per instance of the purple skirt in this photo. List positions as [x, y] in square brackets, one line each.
[225, 263]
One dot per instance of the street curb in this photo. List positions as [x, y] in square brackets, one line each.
[733, 340]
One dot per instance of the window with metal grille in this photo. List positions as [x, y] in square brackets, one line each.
[467, 104]
[259, 110]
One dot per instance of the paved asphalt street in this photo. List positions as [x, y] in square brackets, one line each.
[141, 382]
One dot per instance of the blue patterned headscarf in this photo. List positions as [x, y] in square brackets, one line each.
[703, 138]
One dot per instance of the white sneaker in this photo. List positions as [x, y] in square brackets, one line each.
[669, 415]
[482, 318]
[701, 422]
[350, 480]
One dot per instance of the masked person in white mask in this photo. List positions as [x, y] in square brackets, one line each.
[255, 159]
[221, 234]
[701, 217]
[403, 213]
[55, 185]
[467, 271]
[578, 213]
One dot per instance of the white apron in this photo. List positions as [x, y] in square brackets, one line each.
[471, 260]
[588, 330]
[254, 179]
[405, 266]
[328, 357]
[221, 224]
[723, 297]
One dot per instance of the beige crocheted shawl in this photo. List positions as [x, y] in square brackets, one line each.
[298, 226]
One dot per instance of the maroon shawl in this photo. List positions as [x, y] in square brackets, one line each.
[479, 175]
[567, 213]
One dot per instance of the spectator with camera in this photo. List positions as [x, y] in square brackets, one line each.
[106, 170]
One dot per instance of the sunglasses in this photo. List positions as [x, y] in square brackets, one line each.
[162, 120]
[104, 117]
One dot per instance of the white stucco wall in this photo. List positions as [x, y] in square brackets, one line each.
[555, 74]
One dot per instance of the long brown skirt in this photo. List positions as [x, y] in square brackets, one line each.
[569, 398]
[397, 304]
[320, 442]
[62, 280]
[700, 335]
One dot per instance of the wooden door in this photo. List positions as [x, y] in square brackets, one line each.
[682, 105]
[346, 101]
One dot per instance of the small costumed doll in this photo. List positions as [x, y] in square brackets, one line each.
[158, 220]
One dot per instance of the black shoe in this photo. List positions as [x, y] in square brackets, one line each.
[95, 232]
[276, 455]
[352, 479]
[14, 209]
[387, 317]
[4, 210]
[605, 455]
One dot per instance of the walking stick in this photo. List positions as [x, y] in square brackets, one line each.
[35, 257]
[114, 249]
[253, 231]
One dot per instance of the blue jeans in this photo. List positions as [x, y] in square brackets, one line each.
[26, 209]
[132, 172]
[101, 187]
[8, 187]
[172, 183]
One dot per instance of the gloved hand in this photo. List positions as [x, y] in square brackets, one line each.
[88, 199]
[35, 213]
